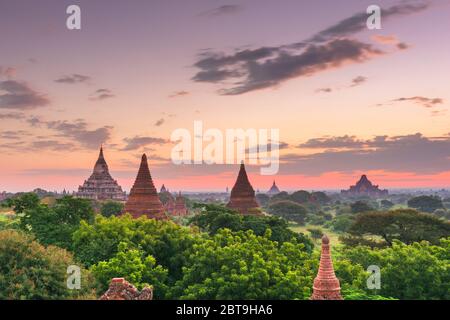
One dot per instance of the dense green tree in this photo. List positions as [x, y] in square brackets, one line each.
[320, 197]
[360, 206]
[23, 202]
[55, 225]
[163, 240]
[426, 203]
[111, 208]
[415, 271]
[213, 218]
[386, 204]
[134, 265]
[316, 233]
[245, 266]
[342, 223]
[357, 294]
[283, 195]
[315, 219]
[29, 270]
[300, 196]
[289, 210]
[405, 225]
[442, 213]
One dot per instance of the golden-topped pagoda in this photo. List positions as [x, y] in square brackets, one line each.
[242, 198]
[143, 199]
[100, 185]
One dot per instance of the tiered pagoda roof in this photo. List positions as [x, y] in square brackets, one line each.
[100, 185]
[365, 188]
[143, 198]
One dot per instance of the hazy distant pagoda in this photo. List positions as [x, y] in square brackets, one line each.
[365, 188]
[274, 189]
[100, 185]
[143, 199]
[242, 198]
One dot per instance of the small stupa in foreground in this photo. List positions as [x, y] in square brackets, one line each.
[326, 284]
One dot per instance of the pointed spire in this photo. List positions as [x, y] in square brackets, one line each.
[242, 196]
[101, 185]
[326, 284]
[101, 166]
[143, 199]
[242, 179]
[274, 189]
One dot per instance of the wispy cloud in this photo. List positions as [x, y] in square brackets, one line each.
[409, 153]
[324, 90]
[52, 145]
[267, 67]
[141, 141]
[422, 101]
[179, 94]
[12, 115]
[20, 96]
[7, 72]
[102, 94]
[358, 81]
[160, 122]
[222, 10]
[73, 78]
[77, 131]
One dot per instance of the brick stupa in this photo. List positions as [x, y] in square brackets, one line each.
[242, 198]
[326, 284]
[143, 199]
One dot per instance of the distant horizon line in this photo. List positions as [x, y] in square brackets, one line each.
[193, 191]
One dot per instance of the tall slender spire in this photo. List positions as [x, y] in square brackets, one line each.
[143, 198]
[242, 197]
[326, 284]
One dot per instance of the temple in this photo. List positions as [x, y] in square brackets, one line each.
[364, 188]
[326, 284]
[177, 206]
[274, 189]
[100, 185]
[242, 198]
[143, 199]
[163, 189]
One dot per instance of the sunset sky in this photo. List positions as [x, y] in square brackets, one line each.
[347, 100]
